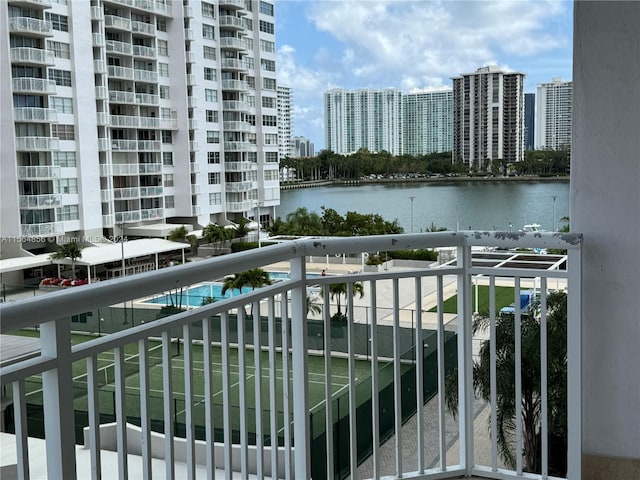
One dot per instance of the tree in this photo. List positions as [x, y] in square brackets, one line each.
[217, 235]
[531, 390]
[181, 234]
[313, 307]
[242, 229]
[337, 290]
[254, 278]
[70, 250]
[434, 228]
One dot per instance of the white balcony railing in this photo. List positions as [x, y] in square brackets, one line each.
[143, 28]
[44, 172]
[34, 114]
[383, 352]
[34, 85]
[33, 26]
[115, 21]
[32, 56]
[42, 229]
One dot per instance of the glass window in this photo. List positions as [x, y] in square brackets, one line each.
[269, 83]
[215, 198]
[63, 132]
[163, 69]
[66, 185]
[68, 212]
[271, 157]
[166, 136]
[61, 77]
[266, 8]
[61, 104]
[164, 92]
[169, 201]
[268, 65]
[163, 48]
[210, 73]
[270, 138]
[59, 49]
[161, 24]
[269, 102]
[58, 22]
[168, 180]
[214, 178]
[210, 95]
[213, 136]
[209, 53]
[208, 31]
[269, 120]
[212, 116]
[270, 175]
[267, 46]
[213, 157]
[167, 158]
[208, 10]
[266, 27]
[64, 159]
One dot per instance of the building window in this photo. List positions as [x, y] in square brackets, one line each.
[269, 102]
[269, 83]
[167, 158]
[59, 49]
[209, 53]
[164, 92]
[208, 10]
[214, 178]
[66, 185]
[251, 100]
[213, 136]
[271, 175]
[210, 95]
[161, 24]
[266, 8]
[248, 23]
[215, 198]
[269, 120]
[212, 116]
[266, 27]
[250, 119]
[270, 138]
[63, 132]
[168, 180]
[268, 65]
[251, 81]
[58, 22]
[61, 77]
[163, 48]
[210, 73]
[208, 31]
[61, 104]
[169, 201]
[64, 159]
[267, 46]
[163, 69]
[248, 43]
[248, 62]
[252, 157]
[68, 212]
[213, 157]
[166, 136]
[271, 157]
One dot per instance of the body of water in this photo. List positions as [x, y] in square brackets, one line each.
[464, 205]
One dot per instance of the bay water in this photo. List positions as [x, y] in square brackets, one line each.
[484, 205]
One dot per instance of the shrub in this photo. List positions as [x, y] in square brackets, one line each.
[418, 254]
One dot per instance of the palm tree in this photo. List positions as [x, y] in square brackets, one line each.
[313, 307]
[217, 235]
[255, 278]
[337, 290]
[243, 229]
[434, 228]
[531, 389]
[70, 250]
[181, 234]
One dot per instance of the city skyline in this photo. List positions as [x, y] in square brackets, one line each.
[384, 44]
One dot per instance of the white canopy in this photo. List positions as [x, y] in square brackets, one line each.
[113, 252]
[22, 263]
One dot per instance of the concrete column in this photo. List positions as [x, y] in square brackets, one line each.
[605, 207]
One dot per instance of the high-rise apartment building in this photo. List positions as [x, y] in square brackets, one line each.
[529, 120]
[285, 123]
[365, 118]
[124, 113]
[555, 100]
[427, 122]
[488, 124]
[303, 147]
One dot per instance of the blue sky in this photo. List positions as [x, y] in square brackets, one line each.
[413, 45]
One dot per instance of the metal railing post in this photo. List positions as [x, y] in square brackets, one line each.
[57, 387]
[574, 364]
[301, 432]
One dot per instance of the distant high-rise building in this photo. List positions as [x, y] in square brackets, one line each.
[365, 118]
[553, 116]
[529, 120]
[488, 124]
[285, 122]
[427, 122]
[135, 113]
[303, 147]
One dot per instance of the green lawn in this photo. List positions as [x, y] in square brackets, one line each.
[504, 298]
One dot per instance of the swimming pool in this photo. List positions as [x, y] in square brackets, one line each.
[193, 296]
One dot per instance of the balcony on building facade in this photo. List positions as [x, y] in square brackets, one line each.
[240, 166]
[149, 168]
[33, 114]
[36, 144]
[127, 216]
[231, 22]
[192, 80]
[40, 86]
[196, 210]
[145, 76]
[104, 144]
[151, 213]
[117, 22]
[188, 11]
[189, 35]
[102, 93]
[121, 48]
[420, 349]
[146, 52]
[31, 26]
[193, 124]
[39, 4]
[170, 123]
[32, 56]
[233, 43]
[190, 57]
[118, 96]
[239, 147]
[118, 169]
[120, 72]
[232, 4]
[97, 14]
[135, 145]
[233, 126]
[194, 167]
[151, 191]
[154, 6]
[147, 99]
[44, 172]
[42, 229]
[244, 206]
[192, 102]
[196, 189]
[99, 66]
[40, 201]
[126, 193]
[235, 106]
[106, 195]
[246, 186]
[143, 28]
[98, 40]
[234, 85]
[233, 64]
[193, 146]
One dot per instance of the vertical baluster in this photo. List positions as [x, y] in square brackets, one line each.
[493, 374]
[145, 418]
[20, 420]
[397, 378]
[242, 395]
[353, 434]
[188, 402]
[286, 386]
[544, 432]
[167, 397]
[121, 417]
[94, 417]
[419, 352]
[257, 363]
[328, 384]
[375, 395]
[518, 374]
[574, 365]
[442, 442]
[273, 389]
[208, 397]
[226, 401]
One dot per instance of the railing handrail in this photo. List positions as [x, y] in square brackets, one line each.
[29, 312]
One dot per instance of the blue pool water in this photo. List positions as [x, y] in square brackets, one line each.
[194, 295]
